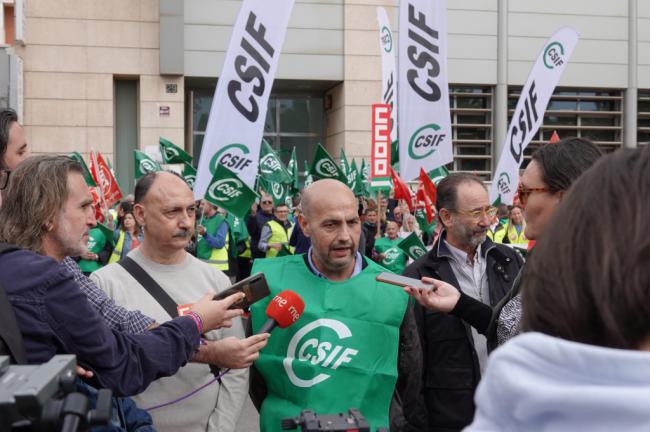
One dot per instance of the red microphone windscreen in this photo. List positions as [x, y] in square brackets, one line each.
[285, 308]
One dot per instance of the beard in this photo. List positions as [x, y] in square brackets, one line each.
[470, 236]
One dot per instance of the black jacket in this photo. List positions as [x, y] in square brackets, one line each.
[451, 367]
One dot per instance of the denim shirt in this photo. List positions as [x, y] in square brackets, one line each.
[55, 317]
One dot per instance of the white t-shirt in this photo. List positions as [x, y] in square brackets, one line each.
[216, 407]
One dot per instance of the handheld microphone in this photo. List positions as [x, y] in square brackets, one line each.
[283, 310]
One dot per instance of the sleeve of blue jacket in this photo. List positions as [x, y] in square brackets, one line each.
[218, 240]
[55, 317]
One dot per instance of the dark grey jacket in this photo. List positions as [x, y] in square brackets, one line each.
[451, 368]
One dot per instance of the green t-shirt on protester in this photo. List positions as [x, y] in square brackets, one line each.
[96, 243]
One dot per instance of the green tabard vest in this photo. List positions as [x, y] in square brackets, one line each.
[203, 249]
[340, 354]
[395, 259]
[96, 243]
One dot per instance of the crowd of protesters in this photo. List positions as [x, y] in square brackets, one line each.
[497, 343]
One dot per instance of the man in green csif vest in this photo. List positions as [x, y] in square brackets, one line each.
[356, 343]
[212, 247]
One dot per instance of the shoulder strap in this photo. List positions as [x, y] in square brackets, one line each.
[150, 285]
[11, 338]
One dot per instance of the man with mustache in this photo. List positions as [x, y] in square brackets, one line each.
[165, 208]
[355, 344]
[463, 256]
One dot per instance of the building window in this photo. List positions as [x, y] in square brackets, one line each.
[290, 121]
[643, 119]
[594, 114]
[471, 124]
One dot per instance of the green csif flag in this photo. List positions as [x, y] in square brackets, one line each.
[412, 246]
[189, 174]
[87, 176]
[324, 167]
[308, 177]
[293, 171]
[227, 191]
[364, 173]
[280, 192]
[421, 218]
[271, 167]
[438, 174]
[172, 154]
[359, 188]
[238, 233]
[343, 163]
[144, 164]
[394, 155]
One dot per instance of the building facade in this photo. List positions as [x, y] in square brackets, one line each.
[115, 75]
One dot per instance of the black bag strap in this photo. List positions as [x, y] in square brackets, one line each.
[150, 285]
[11, 339]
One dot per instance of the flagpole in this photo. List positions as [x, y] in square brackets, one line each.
[382, 214]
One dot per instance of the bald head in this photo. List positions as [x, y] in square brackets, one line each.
[326, 194]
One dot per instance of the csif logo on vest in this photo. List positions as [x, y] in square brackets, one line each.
[147, 166]
[326, 168]
[390, 256]
[425, 141]
[386, 39]
[225, 189]
[326, 354]
[232, 156]
[503, 184]
[269, 164]
[252, 67]
[416, 251]
[553, 55]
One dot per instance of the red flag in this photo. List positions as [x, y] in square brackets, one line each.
[97, 204]
[428, 186]
[402, 190]
[104, 178]
[554, 138]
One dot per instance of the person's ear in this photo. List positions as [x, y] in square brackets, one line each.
[304, 225]
[139, 213]
[445, 217]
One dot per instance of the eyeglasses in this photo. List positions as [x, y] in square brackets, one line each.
[4, 179]
[267, 202]
[489, 211]
[525, 192]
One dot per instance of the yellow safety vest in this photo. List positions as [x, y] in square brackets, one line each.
[278, 235]
[219, 257]
[116, 255]
[513, 238]
[498, 235]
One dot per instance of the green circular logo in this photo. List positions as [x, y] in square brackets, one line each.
[390, 256]
[416, 251]
[424, 141]
[553, 55]
[233, 149]
[326, 168]
[190, 179]
[225, 189]
[147, 166]
[171, 153]
[386, 39]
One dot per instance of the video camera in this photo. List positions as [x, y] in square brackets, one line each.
[309, 421]
[43, 398]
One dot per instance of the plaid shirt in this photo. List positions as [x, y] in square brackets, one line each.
[116, 317]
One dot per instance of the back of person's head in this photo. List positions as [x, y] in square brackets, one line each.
[588, 280]
[37, 191]
[563, 162]
[7, 118]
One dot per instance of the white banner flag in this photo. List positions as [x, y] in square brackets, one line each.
[423, 110]
[389, 76]
[234, 131]
[529, 114]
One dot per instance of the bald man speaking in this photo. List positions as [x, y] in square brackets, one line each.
[356, 343]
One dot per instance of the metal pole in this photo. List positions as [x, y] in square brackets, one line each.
[501, 93]
[631, 94]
